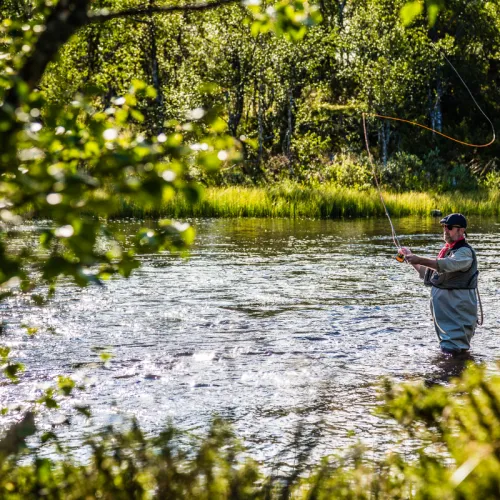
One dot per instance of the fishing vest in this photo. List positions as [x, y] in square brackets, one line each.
[455, 280]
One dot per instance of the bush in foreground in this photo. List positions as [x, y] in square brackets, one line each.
[458, 426]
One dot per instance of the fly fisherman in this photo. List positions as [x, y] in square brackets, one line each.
[453, 278]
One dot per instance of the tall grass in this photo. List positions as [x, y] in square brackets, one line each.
[290, 200]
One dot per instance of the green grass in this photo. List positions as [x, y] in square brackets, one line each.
[290, 200]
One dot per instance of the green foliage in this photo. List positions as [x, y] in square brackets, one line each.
[131, 111]
[351, 171]
[491, 181]
[80, 162]
[458, 427]
[311, 156]
[274, 95]
[464, 419]
[406, 172]
[10, 369]
[413, 9]
[287, 18]
[95, 130]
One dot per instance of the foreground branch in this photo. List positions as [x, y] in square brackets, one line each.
[64, 20]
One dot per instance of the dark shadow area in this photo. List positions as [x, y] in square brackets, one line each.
[449, 366]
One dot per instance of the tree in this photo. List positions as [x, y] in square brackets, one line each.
[74, 161]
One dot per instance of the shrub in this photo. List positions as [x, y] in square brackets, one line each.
[405, 172]
[279, 168]
[311, 154]
[461, 421]
[491, 181]
[349, 170]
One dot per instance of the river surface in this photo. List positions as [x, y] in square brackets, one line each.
[270, 324]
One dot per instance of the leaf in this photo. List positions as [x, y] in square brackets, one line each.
[410, 11]
[48, 436]
[105, 356]
[65, 384]
[4, 352]
[31, 330]
[433, 9]
[49, 402]
[137, 115]
[84, 410]
[15, 437]
[151, 92]
[12, 370]
[138, 85]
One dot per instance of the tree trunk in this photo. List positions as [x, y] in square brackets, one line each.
[435, 110]
[384, 134]
[289, 127]
[341, 13]
[93, 59]
[158, 115]
[235, 110]
[260, 122]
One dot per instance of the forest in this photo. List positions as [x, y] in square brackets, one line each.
[294, 108]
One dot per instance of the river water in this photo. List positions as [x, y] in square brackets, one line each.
[270, 324]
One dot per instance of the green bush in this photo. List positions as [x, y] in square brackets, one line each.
[460, 177]
[491, 181]
[279, 168]
[458, 427]
[352, 171]
[311, 154]
[405, 172]
[408, 172]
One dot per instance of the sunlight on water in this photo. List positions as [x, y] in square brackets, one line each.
[270, 323]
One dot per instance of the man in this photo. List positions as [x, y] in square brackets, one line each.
[453, 278]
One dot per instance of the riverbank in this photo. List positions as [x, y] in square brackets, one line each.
[291, 200]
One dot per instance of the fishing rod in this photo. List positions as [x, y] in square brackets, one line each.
[400, 256]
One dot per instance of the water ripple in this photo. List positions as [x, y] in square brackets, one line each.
[269, 323]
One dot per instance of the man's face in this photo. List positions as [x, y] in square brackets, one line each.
[452, 233]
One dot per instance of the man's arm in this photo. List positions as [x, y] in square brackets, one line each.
[418, 262]
[415, 261]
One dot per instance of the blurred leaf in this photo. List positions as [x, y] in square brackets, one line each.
[106, 356]
[12, 370]
[410, 11]
[84, 410]
[48, 436]
[65, 385]
[433, 9]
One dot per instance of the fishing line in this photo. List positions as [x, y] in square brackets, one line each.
[393, 118]
[394, 235]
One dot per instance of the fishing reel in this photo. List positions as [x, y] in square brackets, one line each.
[403, 252]
[400, 257]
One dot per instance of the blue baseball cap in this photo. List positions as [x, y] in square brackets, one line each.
[454, 220]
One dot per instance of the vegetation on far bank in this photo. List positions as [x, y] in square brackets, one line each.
[290, 200]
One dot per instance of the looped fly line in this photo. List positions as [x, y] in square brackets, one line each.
[394, 236]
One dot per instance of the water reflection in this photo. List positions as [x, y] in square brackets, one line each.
[268, 324]
[449, 366]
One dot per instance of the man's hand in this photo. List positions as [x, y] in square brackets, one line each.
[413, 259]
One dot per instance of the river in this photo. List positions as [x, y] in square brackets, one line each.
[269, 324]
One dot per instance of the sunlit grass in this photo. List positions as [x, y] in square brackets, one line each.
[292, 200]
